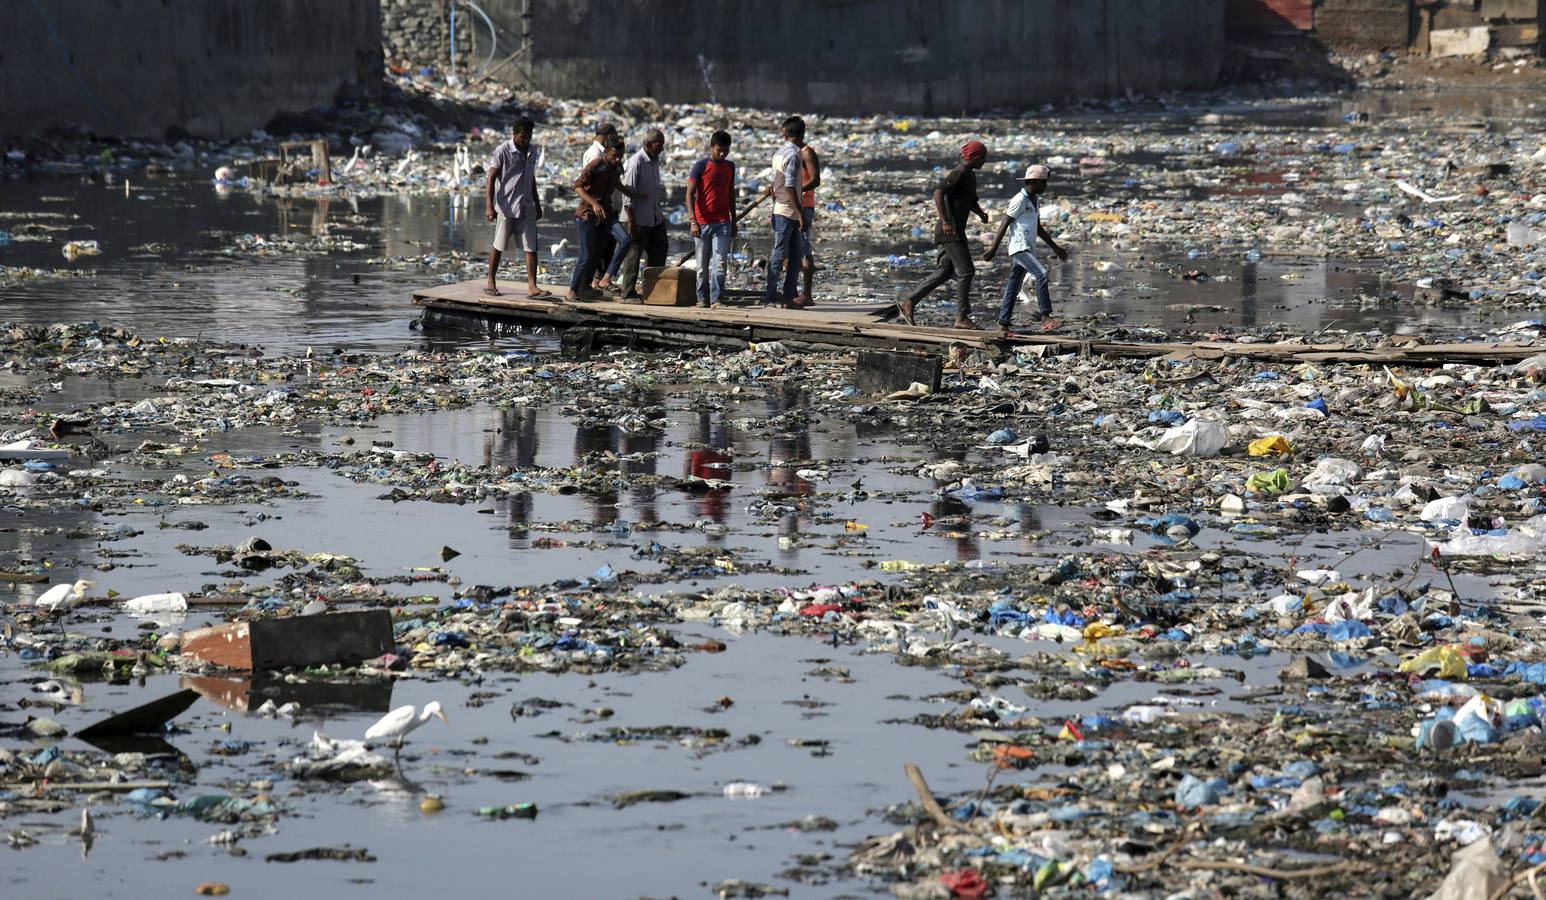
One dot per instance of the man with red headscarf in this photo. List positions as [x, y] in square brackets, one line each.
[954, 198]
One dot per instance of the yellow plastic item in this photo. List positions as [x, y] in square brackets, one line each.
[1097, 630]
[1276, 445]
[1449, 663]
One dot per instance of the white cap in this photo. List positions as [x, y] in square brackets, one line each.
[1041, 172]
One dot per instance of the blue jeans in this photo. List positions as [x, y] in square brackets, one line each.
[712, 246]
[1025, 263]
[593, 239]
[619, 242]
[787, 249]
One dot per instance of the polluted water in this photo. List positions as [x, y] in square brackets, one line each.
[299, 596]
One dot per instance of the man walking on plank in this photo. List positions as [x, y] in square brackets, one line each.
[617, 246]
[954, 198]
[641, 209]
[511, 196]
[595, 215]
[1023, 222]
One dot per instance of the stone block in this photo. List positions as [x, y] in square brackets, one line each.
[885, 371]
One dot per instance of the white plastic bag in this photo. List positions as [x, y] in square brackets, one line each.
[1197, 437]
[1453, 508]
[152, 604]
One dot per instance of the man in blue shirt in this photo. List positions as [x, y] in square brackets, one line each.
[1023, 222]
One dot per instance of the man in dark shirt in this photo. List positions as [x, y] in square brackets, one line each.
[954, 198]
[595, 187]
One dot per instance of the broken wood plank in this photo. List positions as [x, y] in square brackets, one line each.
[147, 718]
[111, 786]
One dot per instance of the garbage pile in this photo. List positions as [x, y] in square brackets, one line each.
[1179, 686]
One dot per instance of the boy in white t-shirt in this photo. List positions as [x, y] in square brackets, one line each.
[1023, 222]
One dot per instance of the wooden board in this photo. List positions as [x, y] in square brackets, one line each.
[147, 718]
[859, 326]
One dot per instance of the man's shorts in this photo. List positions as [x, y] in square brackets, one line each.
[523, 231]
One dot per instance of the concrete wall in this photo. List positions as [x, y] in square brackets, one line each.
[1353, 26]
[417, 33]
[856, 56]
[216, 68]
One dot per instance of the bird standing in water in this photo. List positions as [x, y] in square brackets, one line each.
[62, 597]
[396, 725]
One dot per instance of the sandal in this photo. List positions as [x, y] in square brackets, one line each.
[491, 292]
[904, 313]
[539, 294]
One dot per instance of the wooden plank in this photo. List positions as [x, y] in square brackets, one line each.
[115, 787]
[853, 326]
[146, 718]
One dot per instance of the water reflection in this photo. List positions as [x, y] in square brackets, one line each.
[246, 694]
[789, 446]
[513, 446]
[710, 460]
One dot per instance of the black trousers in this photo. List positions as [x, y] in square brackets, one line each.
[954, 260]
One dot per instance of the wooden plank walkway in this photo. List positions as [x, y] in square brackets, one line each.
[853, 326]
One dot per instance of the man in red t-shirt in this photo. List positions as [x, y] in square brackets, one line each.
[711, 200]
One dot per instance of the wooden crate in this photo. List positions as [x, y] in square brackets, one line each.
[669, 286]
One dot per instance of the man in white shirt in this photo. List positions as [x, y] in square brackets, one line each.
[511, 198]
[788, 224]
[1023, 222]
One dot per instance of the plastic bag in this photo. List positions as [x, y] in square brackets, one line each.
[1332, 472]
[1443, 662]
[1275, 445]
[1274, 482]
[151, 604]
[1450, 508]
[1199, 437]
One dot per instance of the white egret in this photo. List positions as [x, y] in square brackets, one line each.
[396, 725]
[63, 597]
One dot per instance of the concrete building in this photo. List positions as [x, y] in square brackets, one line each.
[846, 56]
[1431, 27]
[214, 68]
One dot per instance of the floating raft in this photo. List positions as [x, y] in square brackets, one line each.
[464, 306]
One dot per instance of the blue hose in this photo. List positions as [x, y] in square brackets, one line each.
[453, 37]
